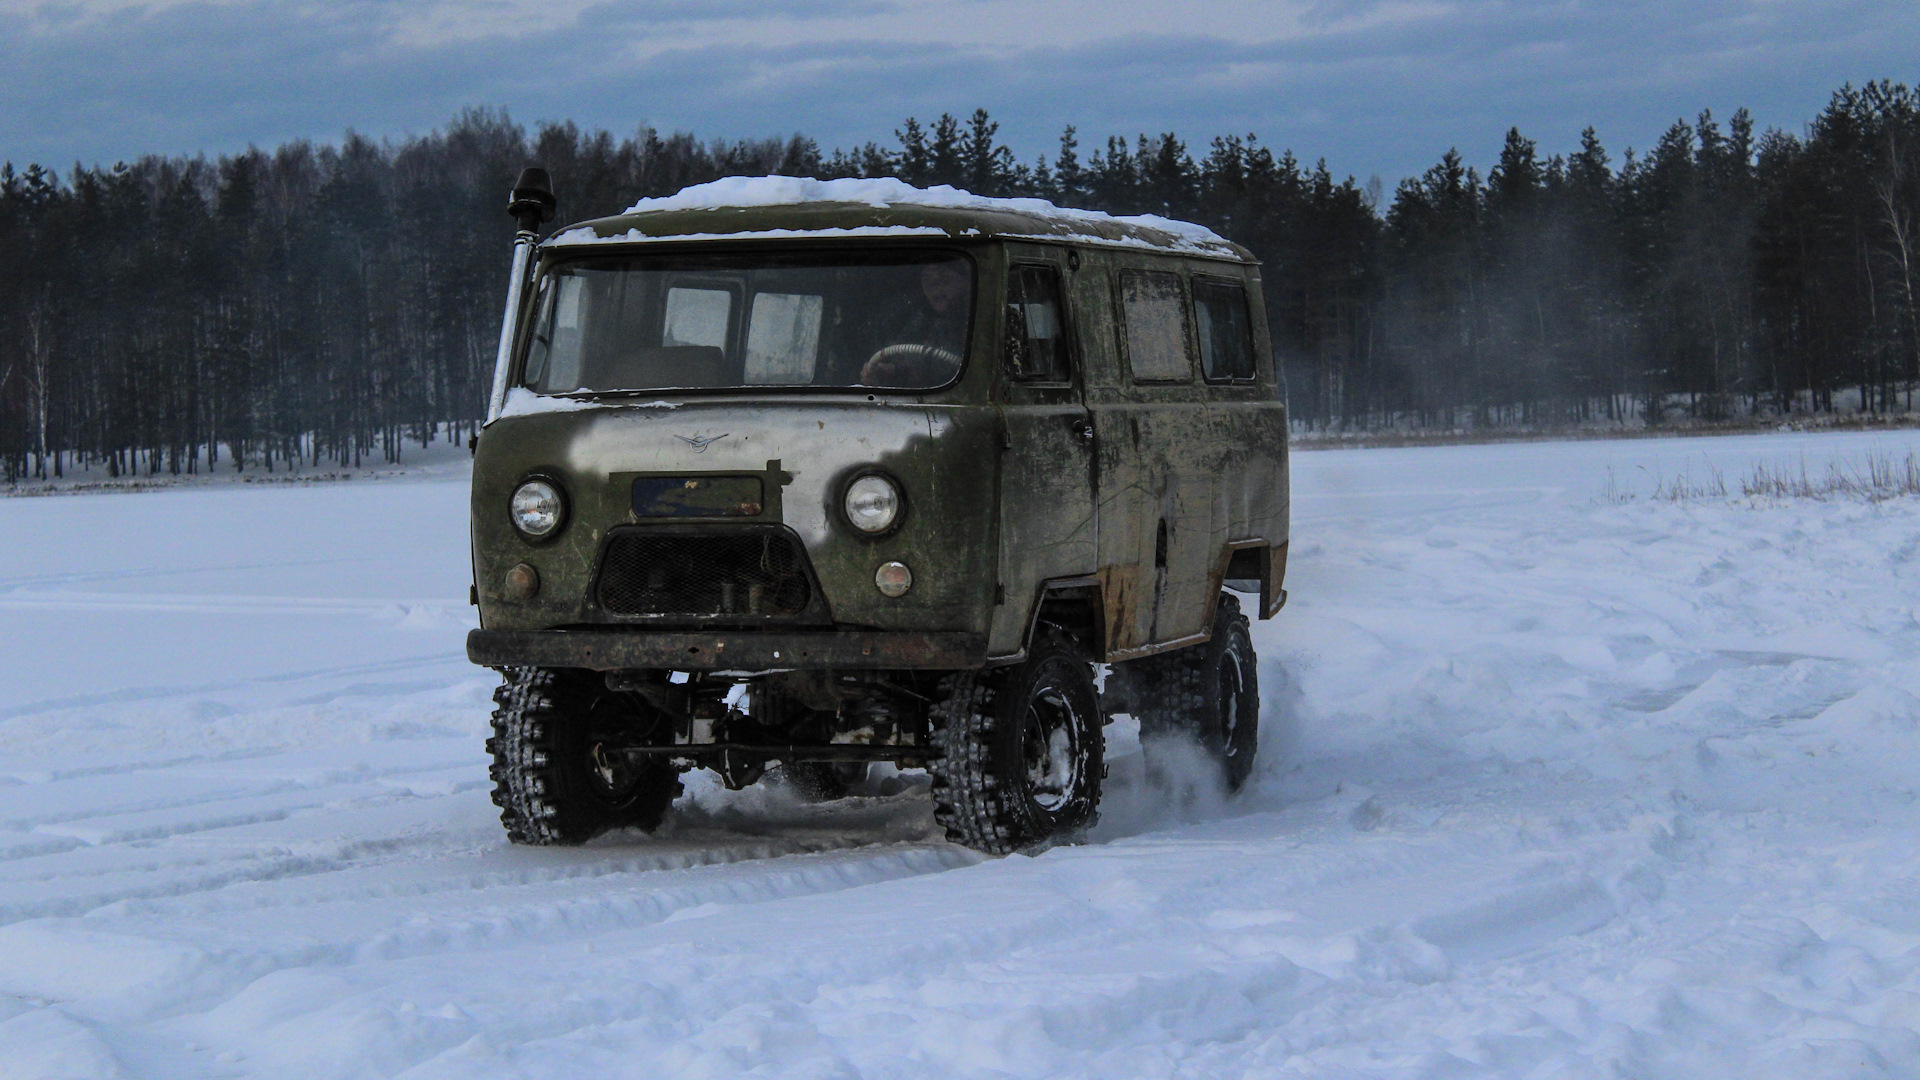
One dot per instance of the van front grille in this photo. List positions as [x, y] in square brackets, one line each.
[761, 573]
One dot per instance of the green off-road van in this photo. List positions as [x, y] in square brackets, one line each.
[827, 473]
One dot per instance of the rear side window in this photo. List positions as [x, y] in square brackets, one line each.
[784, 339]
[697, 316]
[1036, 332]
[1156, 317]
[1226, 331]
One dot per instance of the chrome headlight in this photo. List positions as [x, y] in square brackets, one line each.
[872, 504]
[537, 509]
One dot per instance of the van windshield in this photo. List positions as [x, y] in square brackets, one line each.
[892, 320]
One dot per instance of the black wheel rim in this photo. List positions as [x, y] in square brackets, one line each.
[1050, 749]
[611, 775]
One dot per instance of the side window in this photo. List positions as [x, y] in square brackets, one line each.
[697, 317]
[1036, 339]
[1156, 317]
[783, 339]
[553, 356]
[1226, 330]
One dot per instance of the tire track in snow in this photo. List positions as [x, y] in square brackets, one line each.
[1172, 954]
[161, 693]
[83, 577]
[215, 954]
[228, 604]
[246, 842]
[47, 802]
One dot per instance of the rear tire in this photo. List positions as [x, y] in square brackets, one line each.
[1208, 693]
[1022, 751]
[553, 781]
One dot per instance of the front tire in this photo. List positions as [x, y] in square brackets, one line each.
[1022, 751]
[1207, 693]
[554, 779]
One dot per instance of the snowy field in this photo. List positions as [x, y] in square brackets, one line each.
[1554, 785]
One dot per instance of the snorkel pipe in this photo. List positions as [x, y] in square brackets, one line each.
[531, 204]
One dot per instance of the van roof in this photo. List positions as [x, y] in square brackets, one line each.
[789, 207]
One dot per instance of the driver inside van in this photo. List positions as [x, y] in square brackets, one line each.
[928, 344]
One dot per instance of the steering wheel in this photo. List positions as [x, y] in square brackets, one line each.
[908, 354]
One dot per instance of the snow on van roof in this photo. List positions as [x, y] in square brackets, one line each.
[737, 192]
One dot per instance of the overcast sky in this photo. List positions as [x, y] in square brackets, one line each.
[1375, 88]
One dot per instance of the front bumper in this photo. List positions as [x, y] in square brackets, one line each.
[740, 650]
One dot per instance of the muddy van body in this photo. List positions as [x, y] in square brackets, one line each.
[815, 474]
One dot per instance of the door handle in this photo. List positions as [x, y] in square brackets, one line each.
[1084, 429]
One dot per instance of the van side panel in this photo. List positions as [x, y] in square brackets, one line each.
[1182, 469]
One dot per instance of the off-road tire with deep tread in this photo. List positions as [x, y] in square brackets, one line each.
[1181, 694]
[983, 795]
[544, 781]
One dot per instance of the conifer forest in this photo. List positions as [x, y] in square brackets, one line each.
[319, 304]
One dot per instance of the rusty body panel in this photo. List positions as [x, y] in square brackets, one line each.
[1128, 497]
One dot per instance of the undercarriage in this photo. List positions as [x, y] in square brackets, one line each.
[1015, 752]
[737, 725]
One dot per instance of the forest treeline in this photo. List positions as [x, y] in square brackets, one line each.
[333, 303]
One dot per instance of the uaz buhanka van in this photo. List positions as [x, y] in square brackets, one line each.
[827, 473]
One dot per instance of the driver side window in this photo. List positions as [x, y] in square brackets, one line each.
[1036, 343]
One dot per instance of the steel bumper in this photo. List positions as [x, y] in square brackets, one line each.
[740, 650]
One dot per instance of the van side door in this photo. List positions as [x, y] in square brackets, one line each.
[1140, 390]
[1047, 521]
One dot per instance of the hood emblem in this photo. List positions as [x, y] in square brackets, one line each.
[699, 442]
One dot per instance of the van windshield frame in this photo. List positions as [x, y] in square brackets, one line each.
[866, 319]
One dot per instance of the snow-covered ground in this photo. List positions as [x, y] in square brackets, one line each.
[1554, 785]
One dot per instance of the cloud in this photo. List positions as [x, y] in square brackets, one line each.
[1379, 87]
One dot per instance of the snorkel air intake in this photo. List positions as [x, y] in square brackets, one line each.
[531, 204]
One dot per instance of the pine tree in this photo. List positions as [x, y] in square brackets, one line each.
[1069, 180]
[988, 167]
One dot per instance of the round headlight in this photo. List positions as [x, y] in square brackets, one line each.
[537, 509]
[873, 504]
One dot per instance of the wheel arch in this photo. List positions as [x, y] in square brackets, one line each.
[1074, 605]
[1256, 561]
